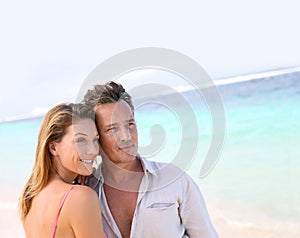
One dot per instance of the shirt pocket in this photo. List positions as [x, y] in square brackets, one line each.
[163, 220]
[161, 205]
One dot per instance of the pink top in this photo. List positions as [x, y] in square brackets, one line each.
[59, 209]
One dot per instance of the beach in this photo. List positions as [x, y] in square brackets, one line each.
[10, 226]
[227, 229]
[253, 188]
[234, 224]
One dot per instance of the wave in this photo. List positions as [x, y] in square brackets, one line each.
[243, 78]
[260, 75]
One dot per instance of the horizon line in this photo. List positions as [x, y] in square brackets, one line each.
[217, 82]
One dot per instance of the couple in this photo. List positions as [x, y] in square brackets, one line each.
[138, 198]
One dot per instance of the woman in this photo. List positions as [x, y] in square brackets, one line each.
[51, 205]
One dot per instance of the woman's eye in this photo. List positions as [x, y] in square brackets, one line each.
[80, 140]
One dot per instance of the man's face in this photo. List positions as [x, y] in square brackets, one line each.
[118, 133]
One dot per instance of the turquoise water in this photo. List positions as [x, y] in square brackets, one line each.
[259, 170]
[18, 141]
[256, 179]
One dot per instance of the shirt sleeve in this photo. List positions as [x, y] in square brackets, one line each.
[193, 211]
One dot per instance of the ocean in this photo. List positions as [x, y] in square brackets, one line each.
[255, 180]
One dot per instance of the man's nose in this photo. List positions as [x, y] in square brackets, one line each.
[124, 134]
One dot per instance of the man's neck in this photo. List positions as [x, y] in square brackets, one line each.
[127, 177]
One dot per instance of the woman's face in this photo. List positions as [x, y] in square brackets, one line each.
[78, 149]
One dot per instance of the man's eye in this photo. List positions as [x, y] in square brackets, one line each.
[131, 124]
[112, 129]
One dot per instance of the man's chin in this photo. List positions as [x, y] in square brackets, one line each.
[126, 159]
[128, 153]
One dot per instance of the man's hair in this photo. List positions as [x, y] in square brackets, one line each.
[110, 92]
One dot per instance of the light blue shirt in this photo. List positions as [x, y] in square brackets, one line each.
[169, 204]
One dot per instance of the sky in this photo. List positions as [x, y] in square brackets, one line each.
[47, 48]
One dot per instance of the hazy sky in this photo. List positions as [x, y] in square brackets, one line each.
[47, 48]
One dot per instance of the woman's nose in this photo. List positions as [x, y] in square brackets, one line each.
[93, 148]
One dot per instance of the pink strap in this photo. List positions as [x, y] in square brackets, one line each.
[59, 209]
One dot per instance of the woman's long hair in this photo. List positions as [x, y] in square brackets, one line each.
[53, 129]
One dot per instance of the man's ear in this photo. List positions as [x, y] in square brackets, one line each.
[52, 148]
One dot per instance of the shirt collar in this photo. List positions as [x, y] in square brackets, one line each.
[147, 166]
[98, 176]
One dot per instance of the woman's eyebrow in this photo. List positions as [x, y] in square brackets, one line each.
[80, 133]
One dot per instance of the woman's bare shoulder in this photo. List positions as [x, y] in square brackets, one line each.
[82, 193]
[84, 213]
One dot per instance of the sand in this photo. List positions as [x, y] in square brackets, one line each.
[10, 227]
[227, 221]
[229, 229]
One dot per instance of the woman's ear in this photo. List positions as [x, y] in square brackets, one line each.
[52, 148]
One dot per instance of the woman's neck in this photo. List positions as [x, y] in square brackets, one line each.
[63, 176]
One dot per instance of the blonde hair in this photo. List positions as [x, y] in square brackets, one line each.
[53, 129]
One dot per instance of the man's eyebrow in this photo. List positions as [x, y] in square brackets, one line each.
[110, 125]
[116, 123]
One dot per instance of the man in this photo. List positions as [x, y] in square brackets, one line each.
[140, 198]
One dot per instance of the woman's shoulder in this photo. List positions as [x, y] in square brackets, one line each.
[82, 193]
[81, 206]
